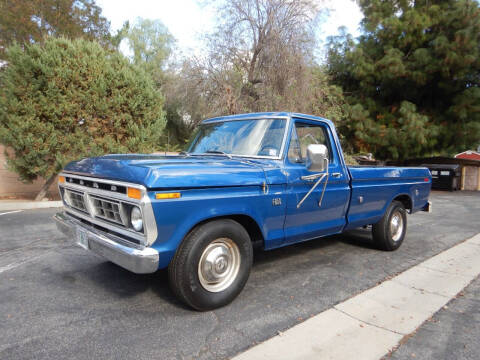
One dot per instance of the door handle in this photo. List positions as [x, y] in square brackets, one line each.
[336, 175]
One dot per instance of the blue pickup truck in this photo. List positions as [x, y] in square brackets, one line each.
[266, 179]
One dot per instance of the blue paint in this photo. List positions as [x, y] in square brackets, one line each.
[214, 186]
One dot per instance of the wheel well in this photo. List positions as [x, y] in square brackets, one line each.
[247, 222]
[405, 200]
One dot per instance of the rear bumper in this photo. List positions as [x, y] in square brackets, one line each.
[140, 260]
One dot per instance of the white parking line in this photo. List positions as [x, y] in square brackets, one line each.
[369, 325]
[16, 264]
[11, 212]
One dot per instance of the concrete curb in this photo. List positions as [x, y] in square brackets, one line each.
[370, 324]
[28, 205]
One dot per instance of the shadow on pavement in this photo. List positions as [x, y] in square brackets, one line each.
[124, 284]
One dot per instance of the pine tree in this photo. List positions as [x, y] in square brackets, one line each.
[412, 78]
[64, 100]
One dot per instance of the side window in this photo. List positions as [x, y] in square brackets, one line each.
[303, 135]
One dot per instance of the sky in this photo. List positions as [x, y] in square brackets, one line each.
[187, 19]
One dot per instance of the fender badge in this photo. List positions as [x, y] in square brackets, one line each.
[276, 201]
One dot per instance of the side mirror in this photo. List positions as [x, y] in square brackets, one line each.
[317, 158]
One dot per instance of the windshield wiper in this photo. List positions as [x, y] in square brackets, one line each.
[217, 152]
[184, 153]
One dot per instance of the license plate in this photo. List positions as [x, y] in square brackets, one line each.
[82, 238]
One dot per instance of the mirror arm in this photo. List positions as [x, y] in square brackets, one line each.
[323, 191]
[312, 177]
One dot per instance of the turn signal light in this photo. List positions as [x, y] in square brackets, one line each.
[134, 193]
[61, 179]
[160, 196]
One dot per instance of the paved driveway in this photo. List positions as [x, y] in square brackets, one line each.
[58, 301]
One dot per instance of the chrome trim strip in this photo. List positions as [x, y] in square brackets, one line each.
[140, 260]
[111, 182]
[246, 117]
[264, 117]
[99, 192]
[145, 204]
[149, 223]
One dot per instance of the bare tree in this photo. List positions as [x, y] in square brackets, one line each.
[260, 50]
[259, 58]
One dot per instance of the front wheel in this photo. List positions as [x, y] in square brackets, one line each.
[389, 232]
[212, 265]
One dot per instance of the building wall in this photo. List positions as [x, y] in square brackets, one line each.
[471, 178]
[11, 187]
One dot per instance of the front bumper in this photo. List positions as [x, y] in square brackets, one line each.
[140, 260]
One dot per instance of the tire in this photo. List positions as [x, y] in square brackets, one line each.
[386, 235]
[223, 243]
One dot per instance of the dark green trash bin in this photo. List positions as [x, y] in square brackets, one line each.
[445, 176]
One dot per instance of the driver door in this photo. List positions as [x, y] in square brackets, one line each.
[311, 220]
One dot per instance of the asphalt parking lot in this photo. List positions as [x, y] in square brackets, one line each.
[58, 301]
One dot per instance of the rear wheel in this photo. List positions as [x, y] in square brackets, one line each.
[212, 265]
[389, 232]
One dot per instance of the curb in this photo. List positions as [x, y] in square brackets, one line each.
[28, 205]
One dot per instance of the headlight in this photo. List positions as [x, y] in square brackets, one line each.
[136, 219]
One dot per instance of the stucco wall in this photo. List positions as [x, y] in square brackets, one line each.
[11, 187]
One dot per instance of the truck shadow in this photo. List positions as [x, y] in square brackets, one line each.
[123, 284]
[358, 238]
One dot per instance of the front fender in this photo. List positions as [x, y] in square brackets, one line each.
[175, 218]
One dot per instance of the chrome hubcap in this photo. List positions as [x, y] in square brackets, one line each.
[396, 226]
[219, 265]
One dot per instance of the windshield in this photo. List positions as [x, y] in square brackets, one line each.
[240, 137]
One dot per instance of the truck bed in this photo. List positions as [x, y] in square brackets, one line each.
[374, 187]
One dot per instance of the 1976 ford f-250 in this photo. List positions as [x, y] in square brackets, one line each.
[271, 179]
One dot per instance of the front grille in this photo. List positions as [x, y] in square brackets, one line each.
[107, 209]
[76, 200]
[102, 205]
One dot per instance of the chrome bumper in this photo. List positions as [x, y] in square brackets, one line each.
[141, 260]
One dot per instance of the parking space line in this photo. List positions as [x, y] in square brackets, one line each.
[370, 324]
[11, 212]
[22, 262]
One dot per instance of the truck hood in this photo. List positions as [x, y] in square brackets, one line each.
[159, 172]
